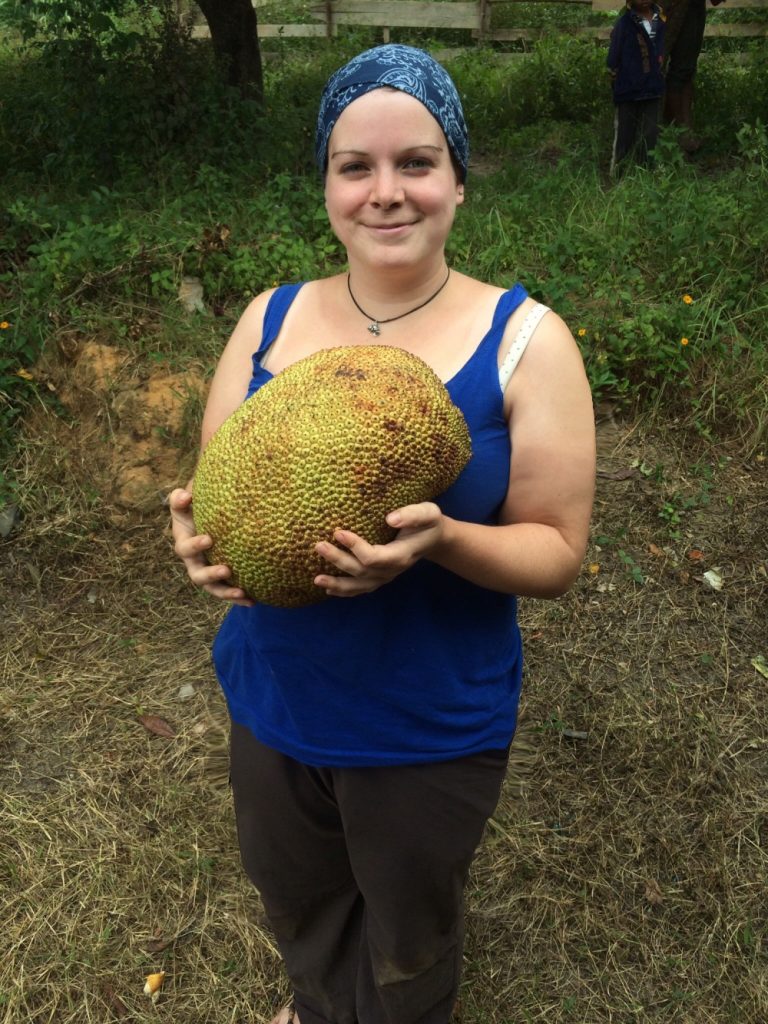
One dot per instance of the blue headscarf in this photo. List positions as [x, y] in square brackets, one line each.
[399, 67]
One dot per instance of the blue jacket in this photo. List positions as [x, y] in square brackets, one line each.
[635, 58]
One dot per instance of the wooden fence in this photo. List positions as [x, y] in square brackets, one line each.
[476, 17]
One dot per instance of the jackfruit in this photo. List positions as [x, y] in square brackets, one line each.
[334, 441]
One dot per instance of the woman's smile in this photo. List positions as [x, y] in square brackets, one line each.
[391, 229]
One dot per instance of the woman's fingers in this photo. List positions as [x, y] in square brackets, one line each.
[215, 580]
[364, 566]
[192, 549]
[415, 517]
[351, 558]
[192, 545]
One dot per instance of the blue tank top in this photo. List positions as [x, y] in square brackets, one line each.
[427, 667]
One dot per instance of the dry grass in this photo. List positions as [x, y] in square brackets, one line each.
[626, 883]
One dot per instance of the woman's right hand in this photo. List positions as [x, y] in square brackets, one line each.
[191, 548]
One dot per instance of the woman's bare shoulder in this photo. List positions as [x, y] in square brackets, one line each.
[550, 370]
[251, 321]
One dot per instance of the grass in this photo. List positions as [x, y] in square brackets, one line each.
[622, 877]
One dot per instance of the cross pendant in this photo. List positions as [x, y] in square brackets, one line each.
[374, 329]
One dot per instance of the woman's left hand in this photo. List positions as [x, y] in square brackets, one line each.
[368, 566]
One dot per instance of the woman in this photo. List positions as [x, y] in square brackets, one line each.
[370, 735]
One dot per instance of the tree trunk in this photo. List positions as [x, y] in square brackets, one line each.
[235, 41]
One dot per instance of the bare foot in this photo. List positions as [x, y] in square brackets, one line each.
[287, 1016]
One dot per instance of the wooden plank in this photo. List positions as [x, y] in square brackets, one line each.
[510, 35]
[402, 13]
[745, 31]
[729, 5]
[733, 31]
[751, 30]
[291, 31]
[499, 3]
[273, 32]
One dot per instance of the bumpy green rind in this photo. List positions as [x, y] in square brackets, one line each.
[334, 441]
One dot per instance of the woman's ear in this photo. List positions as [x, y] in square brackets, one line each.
[459, 193]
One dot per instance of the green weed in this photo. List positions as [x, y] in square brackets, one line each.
[87, 245]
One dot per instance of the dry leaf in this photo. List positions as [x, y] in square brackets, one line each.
[653, 893]
[714, 579]
[191, 295]
[9, 516]
[695, 555]
[153, 984]
[655, 550]
[575, 734]
[158, 726]
[594, 568]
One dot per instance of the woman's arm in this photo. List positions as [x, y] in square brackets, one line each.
[228, 389]
[538, 547]
[233, 371]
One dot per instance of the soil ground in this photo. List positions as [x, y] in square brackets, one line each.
[623, 876]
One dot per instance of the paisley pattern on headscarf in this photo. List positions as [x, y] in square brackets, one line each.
[400, 67]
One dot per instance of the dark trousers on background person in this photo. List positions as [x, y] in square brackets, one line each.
[683, 49]
[361, 872]
[636, 127]
[684, 46]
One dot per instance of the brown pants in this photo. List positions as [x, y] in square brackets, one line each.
[361, 872]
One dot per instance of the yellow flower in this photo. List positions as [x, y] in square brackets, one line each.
[582, 331]
[683, 341]
[687, 300]
[4, 325]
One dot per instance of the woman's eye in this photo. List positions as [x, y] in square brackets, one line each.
[353, 168]
[418, 163]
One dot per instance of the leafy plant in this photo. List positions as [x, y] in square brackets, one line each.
[116, 188]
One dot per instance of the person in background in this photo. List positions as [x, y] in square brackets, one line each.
[686, 21]
[635, 59]
[370, 732]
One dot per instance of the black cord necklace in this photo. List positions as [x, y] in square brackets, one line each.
[375, 325]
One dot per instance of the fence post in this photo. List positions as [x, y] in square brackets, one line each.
[483, 19]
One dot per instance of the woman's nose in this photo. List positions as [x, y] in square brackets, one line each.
[386, 189]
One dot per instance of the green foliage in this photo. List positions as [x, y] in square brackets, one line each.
[561, 80]
[96, 109]
[120, 185]
[727, 96]
[18, 349]
[52, 22]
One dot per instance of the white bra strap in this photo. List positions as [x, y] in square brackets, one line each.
[524, 335]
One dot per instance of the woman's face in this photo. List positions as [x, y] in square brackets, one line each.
[391, 190]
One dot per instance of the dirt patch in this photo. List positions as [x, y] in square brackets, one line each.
[129, 426]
